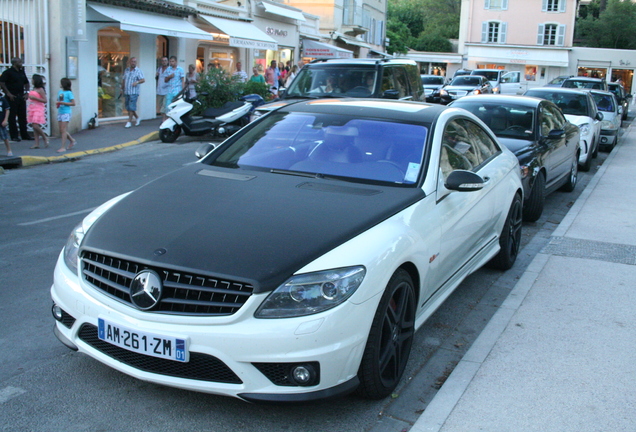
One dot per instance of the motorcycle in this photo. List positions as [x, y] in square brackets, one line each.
[220, 122]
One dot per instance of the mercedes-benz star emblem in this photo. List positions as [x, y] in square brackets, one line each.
[145, 289]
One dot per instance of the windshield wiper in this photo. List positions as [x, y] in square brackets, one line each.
[294, 173]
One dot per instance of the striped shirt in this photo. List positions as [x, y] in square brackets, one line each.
[176, 83]
[131, 76]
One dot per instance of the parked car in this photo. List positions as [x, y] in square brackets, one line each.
[580, 109]
[558, 81]
[296, 260]
[462, 86]
[340, 78]
[612, 118]
[622, 96]
[461, 72]
[432, 85]
[502, 81]
[538, 133]
[581, 82]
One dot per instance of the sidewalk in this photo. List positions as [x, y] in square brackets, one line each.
[103, 139]
[559, 355]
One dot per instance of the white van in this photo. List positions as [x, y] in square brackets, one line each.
[503, 81]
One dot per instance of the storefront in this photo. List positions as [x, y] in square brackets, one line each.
[608, 64]
[312, 50]
[281, 24]
[114, 36]
[443, 64]
[537, 64]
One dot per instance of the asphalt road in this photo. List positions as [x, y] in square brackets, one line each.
[46, 387]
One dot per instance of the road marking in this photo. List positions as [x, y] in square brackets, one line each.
[9, 393]
[57, 217]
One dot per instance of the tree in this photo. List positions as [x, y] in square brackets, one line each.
[399, 35]
[614, 27]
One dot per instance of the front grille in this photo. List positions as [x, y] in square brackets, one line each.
[183, 293]
[201, 367]
[67, 319]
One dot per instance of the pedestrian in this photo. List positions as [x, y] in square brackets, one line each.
[133, 77]
[175, 80]
[240, 73]
[272, 76]
[15, 85]
[65, 100]
[292, 75]
[4, 120]
[36, 110]
[162, 87]
[256, 77]
[191, 79]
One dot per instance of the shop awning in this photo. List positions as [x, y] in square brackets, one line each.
[142, 22]
[322, 50]
[281, 11]
[351, 41]
[242, 34]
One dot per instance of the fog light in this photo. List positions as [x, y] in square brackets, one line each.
[604, 140]
[57, 312]
[303, 374]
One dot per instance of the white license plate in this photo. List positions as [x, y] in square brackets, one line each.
[141, 342]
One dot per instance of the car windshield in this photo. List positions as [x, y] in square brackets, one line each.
[573, 104]
[432, 80]
[466, 81]
[490, 76]
[604, 102]
[558, 80]
[329, 145]
[572, 83]
[344, 81]
[510, 120]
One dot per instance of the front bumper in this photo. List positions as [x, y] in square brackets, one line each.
[237, 344]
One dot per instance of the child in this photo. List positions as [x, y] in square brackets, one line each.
[65, 100]
[4, 119]
[36, 110]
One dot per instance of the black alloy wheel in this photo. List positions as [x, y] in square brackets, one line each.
[510, 239]
[389, 345]
[170, 136]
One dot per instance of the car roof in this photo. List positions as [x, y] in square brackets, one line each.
[412, 112]
[602, 92]
[560, 90]
[529, 101]
[582, 78]
[361, 61]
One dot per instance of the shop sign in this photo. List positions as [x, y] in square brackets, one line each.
[271, 31]
[250, 43]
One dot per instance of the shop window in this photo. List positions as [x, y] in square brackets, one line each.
[113, 52]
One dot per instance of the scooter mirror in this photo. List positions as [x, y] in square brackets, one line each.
[203, 150]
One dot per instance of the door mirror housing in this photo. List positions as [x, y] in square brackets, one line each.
[203, 150]
[464, 181]
[599, 116]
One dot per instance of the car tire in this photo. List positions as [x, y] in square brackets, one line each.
[533, 207]
[390, 339]
[510, 238]
[585, 166]
[169, 136]
[573, 176]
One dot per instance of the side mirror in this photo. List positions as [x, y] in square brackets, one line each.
[599, 116]
[281, 92]
[203, 150]
[391, 94]
[556, 134]
[464, 181]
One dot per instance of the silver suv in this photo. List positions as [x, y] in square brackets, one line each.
[359, 78]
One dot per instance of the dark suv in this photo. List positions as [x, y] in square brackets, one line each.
[359, 78]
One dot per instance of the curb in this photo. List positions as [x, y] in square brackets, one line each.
[39, 160]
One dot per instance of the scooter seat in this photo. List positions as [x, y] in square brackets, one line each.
[226, 108]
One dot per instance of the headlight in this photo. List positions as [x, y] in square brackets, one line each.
[72, 247]
[477, 91]
[443, 92]
[585, 129]
[312, 293]
[77, 235]
[608, 125]
[495, 89]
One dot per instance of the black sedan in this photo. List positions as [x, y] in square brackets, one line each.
[432, 85]
[537, 132]
[464, 85]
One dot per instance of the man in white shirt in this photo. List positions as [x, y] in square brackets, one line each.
[240, 72]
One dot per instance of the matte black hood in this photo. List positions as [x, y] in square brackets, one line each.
[250, 226]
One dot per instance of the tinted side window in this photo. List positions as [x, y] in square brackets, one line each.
[414, 80]
[550, 118]
[466, 146]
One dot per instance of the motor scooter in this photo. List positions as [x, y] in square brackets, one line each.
[219, 122]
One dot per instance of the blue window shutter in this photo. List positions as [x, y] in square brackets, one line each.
[504, 5]
[562, 4]
[544, 7]
[561, 35]
[503, 29]
[487, 4]
[541, 34]
[484, 32]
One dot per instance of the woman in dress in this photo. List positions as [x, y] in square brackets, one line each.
[192, 78]
[36, 110]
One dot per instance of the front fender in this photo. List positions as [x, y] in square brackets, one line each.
[168, 124]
